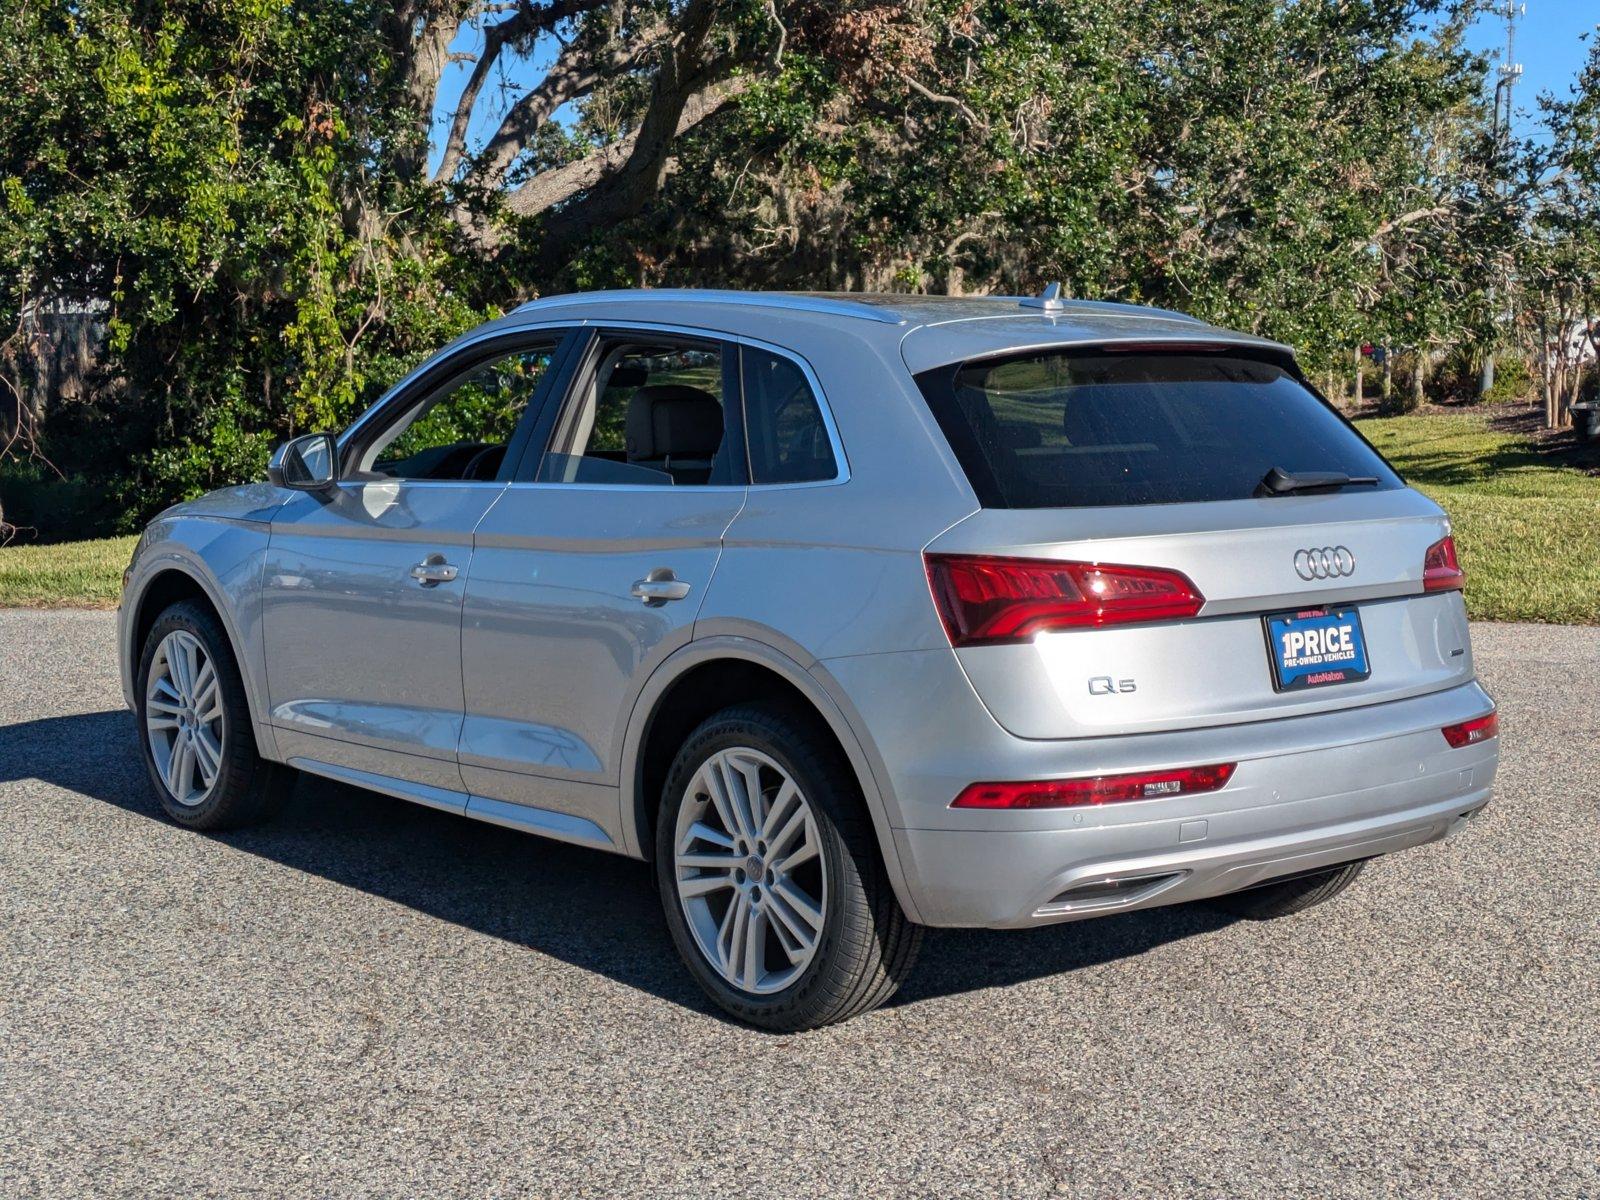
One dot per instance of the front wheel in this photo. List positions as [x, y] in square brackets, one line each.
[770, 876]
[194, 726]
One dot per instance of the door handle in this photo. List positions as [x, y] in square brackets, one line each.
[432, 570]
[656, 588]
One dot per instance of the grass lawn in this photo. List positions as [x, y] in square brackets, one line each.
[68, 574]
[1525, 508]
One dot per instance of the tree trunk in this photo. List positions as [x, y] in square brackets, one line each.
[1546, 367]
[419, 33]
[1388, 377]
[1419, 377]
[1355, 392]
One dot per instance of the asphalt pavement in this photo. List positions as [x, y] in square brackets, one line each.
[367, 998]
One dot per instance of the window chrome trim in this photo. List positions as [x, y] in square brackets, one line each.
[667, 489]
[840, 458]
[398, 481]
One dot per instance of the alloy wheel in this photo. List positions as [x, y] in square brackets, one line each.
[749, 870]
[184, 719]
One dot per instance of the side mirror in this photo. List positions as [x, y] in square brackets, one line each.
[309, 463]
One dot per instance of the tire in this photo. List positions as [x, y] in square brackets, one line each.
[226, 783]
[1284, 899]
[825, 860]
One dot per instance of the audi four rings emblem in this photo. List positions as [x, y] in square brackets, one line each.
[1326, 562]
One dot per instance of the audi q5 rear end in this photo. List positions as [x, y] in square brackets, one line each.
[852, 614]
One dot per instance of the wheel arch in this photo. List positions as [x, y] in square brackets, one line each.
[707, 675]
[172, 579]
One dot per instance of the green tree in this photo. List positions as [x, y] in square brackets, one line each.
[231, 195]
[193, 178]
[1560, 267]
[1313, 172]
[237, 193]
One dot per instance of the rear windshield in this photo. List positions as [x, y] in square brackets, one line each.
[1077, 430]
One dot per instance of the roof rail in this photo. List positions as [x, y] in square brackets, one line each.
[793, 301]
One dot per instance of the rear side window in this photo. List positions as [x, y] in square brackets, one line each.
[1084, 430]
[646, 413]
[788, 438]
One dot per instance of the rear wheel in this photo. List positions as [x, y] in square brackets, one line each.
[194, 726]
[1290, 896]
[770, 876]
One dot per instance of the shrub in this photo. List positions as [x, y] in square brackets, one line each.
[1513, 380]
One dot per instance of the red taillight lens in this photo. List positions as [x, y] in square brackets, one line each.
[1470, 733]
[1095, 789]
[1441, 572]
[988, 601]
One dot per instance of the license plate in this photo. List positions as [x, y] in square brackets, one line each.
[1316, 647]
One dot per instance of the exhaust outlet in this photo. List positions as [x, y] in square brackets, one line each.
[1111, 891]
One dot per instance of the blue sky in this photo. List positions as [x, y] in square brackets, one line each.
[490, 107]
[1551, 46]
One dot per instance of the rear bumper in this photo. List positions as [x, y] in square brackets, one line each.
[1017, 880]
[1308, 792]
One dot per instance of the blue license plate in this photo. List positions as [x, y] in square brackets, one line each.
[1316, 647]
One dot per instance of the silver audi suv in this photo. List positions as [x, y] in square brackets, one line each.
[853, 614]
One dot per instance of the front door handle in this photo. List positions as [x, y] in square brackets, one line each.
[432, 570]
[656, 588]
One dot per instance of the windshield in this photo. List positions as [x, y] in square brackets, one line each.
[1091, 429]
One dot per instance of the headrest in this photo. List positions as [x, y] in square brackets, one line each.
[628, 374]
[1089, 418]
[672, 420]
[1018, 435]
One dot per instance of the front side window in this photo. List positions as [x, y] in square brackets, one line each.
[461, 432]
[1088, 429]
[645, 412]
[788, 438]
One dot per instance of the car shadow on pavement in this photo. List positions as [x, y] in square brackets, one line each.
[590, 909]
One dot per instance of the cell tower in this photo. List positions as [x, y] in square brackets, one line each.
[1510, 71]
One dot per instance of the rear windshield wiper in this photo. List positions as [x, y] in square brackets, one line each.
[1278, 482]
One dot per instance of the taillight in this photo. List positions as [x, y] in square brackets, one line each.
[1441, 572]
[1095, 789]
[1470, 733]
[984, 600]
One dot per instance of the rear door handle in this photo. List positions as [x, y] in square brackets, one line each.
[432, 570]
[656, 588]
